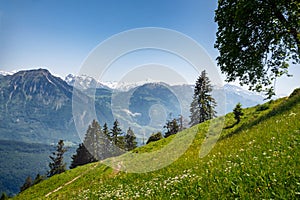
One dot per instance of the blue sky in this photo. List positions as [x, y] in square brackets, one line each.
[59, 35]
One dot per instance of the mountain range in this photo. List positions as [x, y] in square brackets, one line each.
[37, 107]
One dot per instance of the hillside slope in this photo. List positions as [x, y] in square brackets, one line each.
[258, 158]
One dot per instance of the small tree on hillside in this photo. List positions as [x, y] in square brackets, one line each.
[107, 141]
[57, 165]
[155, 137]
[203, 104]
[116, 135]
[39, 178]
[172, 127]
[4, 196]
[130, 140]
[238, 112]
[28, 183]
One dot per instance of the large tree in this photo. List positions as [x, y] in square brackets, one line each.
[91, 150]
[257, 40]
[57, 165]
[82, 157]
[203, 104]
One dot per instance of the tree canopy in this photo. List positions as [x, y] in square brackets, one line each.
[257, 40]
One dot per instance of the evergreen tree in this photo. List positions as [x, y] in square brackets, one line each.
[117, 139]
[238, 112]
[107, 141]
[57, 165]
[106, 131]
[130, 140]
[27, 184]
[203, 104]
[39, 178]
[116, 135]
[92, 139]
[96, 146]
[82, 157]
[3, 196]
[172, 127]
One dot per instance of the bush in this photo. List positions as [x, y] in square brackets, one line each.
[262, 107]
[154, 137]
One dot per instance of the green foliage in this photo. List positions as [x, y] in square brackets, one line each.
[155, 137]
[57, 165]
[3, 196]
[203, 104]
[262, 107]
[39, 178]
[117, 138]
[82, 157]
[257, 40]
[172, 127]
[238, 112]
[28, 183]
[100, 144]
[130, 140]
[258, 160]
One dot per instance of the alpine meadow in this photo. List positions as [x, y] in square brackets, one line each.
[160, 99]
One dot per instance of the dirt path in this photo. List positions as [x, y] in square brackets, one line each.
[71, 181]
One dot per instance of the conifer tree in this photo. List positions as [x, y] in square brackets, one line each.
[92, 139]
[90, 150]
[4, 196]
[107, 141]
[172, 127]
[117, 139]
[82, 157]
[130, 140]
[57, 165]
[39, 178]
[238, 112]
[203, 104]
[28, 183]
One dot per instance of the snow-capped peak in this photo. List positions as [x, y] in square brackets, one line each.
[4, 73]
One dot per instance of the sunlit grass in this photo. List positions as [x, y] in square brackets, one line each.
[259, 158]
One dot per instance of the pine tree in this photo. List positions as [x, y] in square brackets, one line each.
[117, 139]
[82, 157]
[92, 139]
[4, 196]
[203, 104]
[27, 184]
[238, 112]
[107, 141]
[57, 165]
[39, 178]
[130, 140]
[172, 127]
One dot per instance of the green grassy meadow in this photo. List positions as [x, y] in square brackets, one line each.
[259, 158]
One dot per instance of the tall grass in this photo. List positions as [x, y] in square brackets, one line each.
[259, 158]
